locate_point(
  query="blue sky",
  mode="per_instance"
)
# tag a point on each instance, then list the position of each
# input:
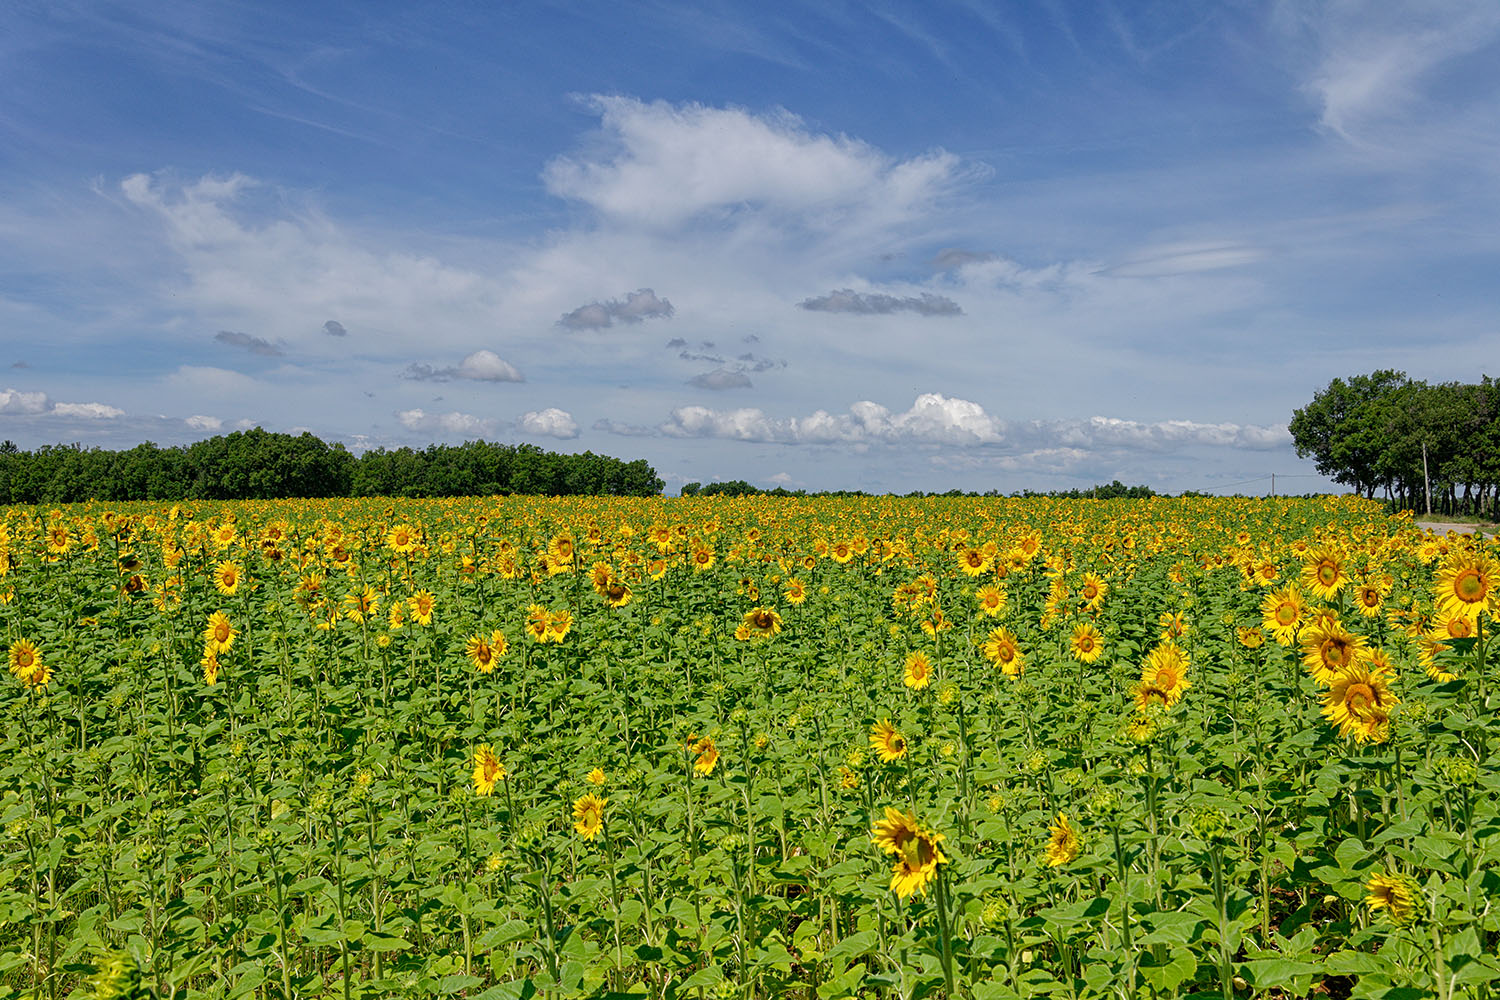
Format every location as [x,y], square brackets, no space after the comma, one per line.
[879,246]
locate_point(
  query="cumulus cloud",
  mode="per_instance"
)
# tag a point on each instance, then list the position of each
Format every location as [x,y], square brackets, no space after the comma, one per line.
[639,305]
[447,423]
[255,345]
[481,366]
[663,164]
[846,300]
[721,378]
[15,403]
[199,422]
[936,420]
[335,329]
[550,422]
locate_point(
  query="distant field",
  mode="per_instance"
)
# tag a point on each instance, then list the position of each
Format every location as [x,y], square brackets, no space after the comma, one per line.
[718,748]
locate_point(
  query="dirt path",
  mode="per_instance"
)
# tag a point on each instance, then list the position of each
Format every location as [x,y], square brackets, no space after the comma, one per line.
[1443,527]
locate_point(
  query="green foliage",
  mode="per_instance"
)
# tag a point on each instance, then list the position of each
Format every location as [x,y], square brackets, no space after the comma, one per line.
[1370,432]
[261,465]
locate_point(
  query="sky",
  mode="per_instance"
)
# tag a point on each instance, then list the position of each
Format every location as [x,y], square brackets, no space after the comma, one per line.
[879,246]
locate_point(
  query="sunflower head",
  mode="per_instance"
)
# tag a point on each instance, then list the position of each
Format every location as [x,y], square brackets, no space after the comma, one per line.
[1397,895]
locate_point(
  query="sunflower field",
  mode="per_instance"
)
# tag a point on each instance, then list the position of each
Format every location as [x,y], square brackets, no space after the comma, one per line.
[712,749]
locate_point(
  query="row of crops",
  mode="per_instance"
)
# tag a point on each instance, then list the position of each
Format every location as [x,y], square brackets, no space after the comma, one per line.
[746,748]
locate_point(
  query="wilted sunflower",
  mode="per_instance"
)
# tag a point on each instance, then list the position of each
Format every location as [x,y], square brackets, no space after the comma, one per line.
[1001,649]
[1359,701]
[219,634]
[918,670]
[1395,894]
[588,815]
[887,741]
[1087,643]
[1062,842]
[488,771]
[1466,585]
[1328,649]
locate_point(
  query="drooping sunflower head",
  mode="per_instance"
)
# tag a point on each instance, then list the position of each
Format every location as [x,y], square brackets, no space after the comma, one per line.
[1062,842]
[488,771]
[588,815]
[887,741]
[1397,895]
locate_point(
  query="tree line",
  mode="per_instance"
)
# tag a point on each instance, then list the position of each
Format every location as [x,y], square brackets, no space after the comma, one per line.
[1418,443]
[739,488]
[261,465]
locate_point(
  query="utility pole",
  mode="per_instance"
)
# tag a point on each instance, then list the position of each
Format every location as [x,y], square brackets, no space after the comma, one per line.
[1273,484]
[1426,483]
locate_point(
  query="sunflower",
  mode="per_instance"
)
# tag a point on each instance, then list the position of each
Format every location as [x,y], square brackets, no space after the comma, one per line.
[972,562]
[422,606]
[1359,700]
[596,777]
[1328,649]
[916,849]
[1281,614]
[616,593]
[991,600]
[219,633]
[759,623]
[1466,585]
[708,756]
[485,651]
[1323,572]
[795,591]
[887,741]
[559,623]
[1250,638]
[402,538]
[1000,648]
[536,622]
[1062,842]
[1172,624]
[210,665]
[1163,677]
[488,770]
[1395,894]
[1087,643]
[841,552]
[703,559]
[1369,599]
[561,549]
[26,664]
[227,577]
[1092,591]
[918,671]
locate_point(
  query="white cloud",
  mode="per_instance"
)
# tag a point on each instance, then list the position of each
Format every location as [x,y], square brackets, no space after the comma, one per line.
[639,305]
[198,422]
[447,423]
[550,422]
[88,411]
[15,403]
[668,163]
